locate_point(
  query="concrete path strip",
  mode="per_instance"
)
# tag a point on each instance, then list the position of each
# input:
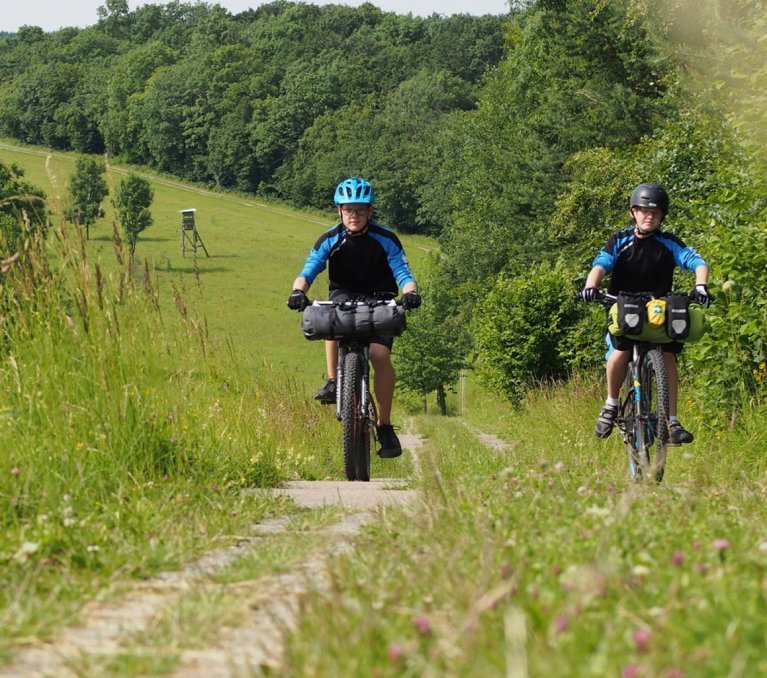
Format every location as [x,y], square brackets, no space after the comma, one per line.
[258,643]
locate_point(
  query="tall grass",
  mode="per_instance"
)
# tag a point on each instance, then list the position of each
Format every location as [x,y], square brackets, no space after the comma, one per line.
[129,433]
[543,558]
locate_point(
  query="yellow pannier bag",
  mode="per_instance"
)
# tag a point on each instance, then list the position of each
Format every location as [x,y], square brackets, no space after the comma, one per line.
[656,312]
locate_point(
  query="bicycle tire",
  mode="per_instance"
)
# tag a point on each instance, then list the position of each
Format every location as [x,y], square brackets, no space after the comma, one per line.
[627,424]
[356,427]
[651,431]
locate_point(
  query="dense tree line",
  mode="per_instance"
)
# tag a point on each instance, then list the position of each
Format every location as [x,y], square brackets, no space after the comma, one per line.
[592,99]
[516,141]
[282,100]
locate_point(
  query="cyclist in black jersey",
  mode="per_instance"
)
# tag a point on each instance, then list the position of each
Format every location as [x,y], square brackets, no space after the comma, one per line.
[642,258]
[363,259]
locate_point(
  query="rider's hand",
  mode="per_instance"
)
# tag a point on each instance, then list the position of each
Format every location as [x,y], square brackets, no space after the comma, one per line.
[411,300]
[589,294]
[700,295]
[298,300]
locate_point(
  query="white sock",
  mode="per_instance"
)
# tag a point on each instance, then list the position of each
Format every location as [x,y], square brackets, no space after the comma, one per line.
[674,418]
[613,402]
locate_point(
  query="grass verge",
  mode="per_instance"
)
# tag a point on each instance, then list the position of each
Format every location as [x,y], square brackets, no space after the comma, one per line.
[542,558]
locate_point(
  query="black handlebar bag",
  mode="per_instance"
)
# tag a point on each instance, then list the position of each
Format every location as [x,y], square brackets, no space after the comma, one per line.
[355,321]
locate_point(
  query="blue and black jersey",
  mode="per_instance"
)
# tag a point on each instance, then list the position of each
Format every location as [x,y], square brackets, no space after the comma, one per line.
[645,264]
[373,261]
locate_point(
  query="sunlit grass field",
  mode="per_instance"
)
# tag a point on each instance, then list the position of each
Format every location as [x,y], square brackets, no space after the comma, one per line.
[256,251]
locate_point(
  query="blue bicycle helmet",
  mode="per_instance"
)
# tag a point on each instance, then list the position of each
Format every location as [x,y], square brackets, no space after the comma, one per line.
[355,190]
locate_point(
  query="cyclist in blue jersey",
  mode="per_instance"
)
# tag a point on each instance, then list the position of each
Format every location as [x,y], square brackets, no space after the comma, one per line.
[642,258]
[364,259]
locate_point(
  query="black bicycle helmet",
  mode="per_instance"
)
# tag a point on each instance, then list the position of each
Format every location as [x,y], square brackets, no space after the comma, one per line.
[650,195]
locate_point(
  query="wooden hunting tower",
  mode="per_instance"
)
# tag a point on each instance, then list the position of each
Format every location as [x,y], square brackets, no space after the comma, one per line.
[190,238]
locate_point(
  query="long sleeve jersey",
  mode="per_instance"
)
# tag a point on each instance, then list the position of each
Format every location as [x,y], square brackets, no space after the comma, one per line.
[645,264]
[373,261]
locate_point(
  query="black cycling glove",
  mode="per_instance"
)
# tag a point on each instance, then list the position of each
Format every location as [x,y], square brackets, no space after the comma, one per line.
[411,300]
[590,294]
[298,300]
[700,295]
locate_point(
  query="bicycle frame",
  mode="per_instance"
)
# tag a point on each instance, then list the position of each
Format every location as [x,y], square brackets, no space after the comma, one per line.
[639,430]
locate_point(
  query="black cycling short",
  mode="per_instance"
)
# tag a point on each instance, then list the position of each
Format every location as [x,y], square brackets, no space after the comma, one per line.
[623,343]
[345,295]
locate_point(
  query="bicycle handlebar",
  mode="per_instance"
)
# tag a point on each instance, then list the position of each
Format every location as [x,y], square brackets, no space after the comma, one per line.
[351,303]
[607,300]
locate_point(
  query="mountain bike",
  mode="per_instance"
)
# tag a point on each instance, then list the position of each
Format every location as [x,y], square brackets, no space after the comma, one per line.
[643,416]
[353,323]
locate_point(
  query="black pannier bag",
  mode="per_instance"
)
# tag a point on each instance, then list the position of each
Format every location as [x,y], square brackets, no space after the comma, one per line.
[352,321]
[631,312]
[677,316]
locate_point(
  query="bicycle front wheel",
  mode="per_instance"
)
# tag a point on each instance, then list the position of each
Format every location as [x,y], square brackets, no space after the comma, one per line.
[356,426]
[653,438]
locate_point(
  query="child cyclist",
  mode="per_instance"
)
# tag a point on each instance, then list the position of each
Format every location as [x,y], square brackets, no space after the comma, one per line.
[642,258]
[364,259]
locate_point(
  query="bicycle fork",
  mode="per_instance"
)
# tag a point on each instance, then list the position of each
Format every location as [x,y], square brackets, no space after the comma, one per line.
[636,429]
[364,404]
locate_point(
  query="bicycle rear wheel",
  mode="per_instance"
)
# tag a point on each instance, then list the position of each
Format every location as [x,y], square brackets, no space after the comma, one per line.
[653,438]
[356,426]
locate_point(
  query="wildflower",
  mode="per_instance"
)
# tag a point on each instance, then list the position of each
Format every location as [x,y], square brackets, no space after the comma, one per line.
[677,558]
[422,624]
[640,570]
[720,545]
[561,624]
[25,551]
[641,639]
[233,513]
[631,671]
[396,652]
[15,471]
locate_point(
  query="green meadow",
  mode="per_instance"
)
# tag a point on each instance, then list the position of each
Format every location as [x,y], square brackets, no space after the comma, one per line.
[141,405]
[256,250]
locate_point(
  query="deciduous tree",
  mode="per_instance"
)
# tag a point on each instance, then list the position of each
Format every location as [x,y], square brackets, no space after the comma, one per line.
[134,196]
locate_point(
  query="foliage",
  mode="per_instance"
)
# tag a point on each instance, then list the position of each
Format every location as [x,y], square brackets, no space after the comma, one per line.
[22,209]
[132,200]
[434,349]
[88,188]
[388,139]
[518,329]
[228,100]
